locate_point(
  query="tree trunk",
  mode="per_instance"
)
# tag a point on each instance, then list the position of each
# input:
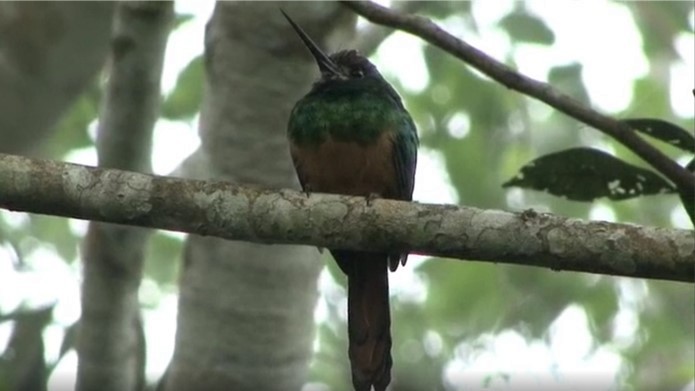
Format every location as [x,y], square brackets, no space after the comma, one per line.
[111,341]
[49,53]
[245,317]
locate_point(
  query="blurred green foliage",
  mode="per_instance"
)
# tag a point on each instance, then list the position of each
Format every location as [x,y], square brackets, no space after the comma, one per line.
[184,101]
[468,302]
[465,302]
[526,27]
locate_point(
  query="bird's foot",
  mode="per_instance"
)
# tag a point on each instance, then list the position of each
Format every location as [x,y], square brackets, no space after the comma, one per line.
[371,197]
[307,191]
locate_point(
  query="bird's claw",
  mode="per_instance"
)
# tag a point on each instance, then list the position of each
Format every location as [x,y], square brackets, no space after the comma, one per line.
[371,197]
[307,191]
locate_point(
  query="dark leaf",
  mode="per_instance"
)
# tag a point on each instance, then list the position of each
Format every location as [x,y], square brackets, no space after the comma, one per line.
[664,131]
[584,174]
[184,101]
[524,27]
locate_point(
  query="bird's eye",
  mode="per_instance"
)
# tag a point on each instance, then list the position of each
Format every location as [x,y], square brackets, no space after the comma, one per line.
[356,72]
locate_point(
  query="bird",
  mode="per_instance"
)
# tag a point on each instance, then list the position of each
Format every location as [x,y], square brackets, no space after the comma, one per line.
[351,134]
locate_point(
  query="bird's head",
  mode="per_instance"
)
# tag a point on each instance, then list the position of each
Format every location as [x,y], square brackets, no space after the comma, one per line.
[340,66]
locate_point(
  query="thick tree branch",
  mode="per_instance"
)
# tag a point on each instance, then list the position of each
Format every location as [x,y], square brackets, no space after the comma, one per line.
[430,32]
[256,215]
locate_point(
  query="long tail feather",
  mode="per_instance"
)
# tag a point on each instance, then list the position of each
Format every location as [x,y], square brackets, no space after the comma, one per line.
[369,318]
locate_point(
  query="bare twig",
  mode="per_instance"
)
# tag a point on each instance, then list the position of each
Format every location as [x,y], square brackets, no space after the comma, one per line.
[373,35]
[333,221]
[430,32]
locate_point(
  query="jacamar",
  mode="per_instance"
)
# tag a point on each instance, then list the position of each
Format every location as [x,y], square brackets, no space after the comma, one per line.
[352,135]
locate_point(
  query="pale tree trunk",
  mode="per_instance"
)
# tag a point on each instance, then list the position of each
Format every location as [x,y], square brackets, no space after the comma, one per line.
[245,318]
[49,53]
[111,342]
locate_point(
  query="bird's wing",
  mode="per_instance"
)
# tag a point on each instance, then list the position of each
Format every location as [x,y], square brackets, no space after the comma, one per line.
[405,158]
[404,161]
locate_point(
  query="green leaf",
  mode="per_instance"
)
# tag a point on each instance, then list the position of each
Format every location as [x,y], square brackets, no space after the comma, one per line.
[478,290]
[599,297]
[163,251]
[525,27]
[664,131]
[568,79]
[57,232]
[444,9]
[665,336]
[180,19]
[584,174]
[672,17]
[72,128]
[529,303]
[185,100]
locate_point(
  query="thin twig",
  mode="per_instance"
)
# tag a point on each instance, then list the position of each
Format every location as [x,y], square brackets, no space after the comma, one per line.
[430,32]
[373,35]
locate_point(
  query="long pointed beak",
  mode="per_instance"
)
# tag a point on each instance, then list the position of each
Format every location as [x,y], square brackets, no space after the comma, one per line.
[326,65]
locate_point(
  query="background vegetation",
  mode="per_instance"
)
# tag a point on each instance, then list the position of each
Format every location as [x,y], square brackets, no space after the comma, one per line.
[446,317]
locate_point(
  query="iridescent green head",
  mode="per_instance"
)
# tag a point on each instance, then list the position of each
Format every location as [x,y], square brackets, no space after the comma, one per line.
[341,66]
[351,101]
